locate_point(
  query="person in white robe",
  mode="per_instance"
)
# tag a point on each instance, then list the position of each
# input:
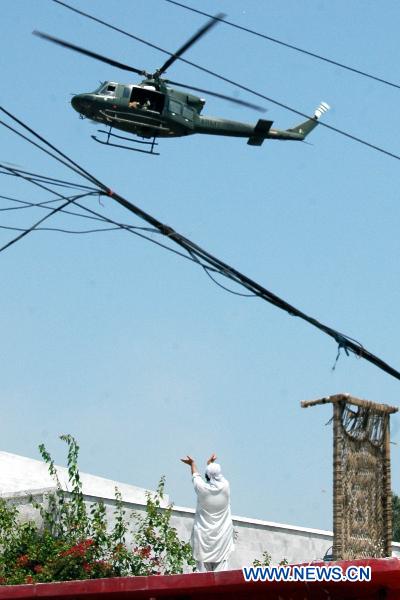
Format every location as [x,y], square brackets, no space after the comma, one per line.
[212,534]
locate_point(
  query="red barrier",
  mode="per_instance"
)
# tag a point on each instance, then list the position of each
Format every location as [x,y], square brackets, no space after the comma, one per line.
[385,585]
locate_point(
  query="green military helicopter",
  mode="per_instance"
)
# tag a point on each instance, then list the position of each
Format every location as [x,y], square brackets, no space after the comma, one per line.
[152,109]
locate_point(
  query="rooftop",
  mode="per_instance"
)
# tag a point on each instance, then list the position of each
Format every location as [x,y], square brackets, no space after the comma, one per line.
[22,474]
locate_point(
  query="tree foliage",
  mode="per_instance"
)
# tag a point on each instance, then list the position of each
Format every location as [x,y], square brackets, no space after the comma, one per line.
[75,541]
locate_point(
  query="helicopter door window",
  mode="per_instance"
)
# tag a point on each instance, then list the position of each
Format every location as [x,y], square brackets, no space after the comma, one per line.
[175,107]
[144,99]
[187,114]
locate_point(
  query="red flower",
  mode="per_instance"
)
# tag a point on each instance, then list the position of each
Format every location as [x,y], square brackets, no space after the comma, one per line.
[79,549]
[103,565]
[38,568]
[2,580]
[29,579]
[22,560]
[86,567]
[145,552]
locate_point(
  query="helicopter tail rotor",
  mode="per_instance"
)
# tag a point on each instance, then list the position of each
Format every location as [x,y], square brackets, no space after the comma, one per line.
[321,109]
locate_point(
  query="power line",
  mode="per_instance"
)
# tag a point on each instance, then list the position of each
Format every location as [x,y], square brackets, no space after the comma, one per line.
[59,230]
[350,136]
[211,262]
[25,203]
[38,184]
[45,179]
[59,156]
[343,341]
[30,229]
[44,205]
[34,180]
[133,230]
[207,272]
[287,45]
[94,215]
[26,138]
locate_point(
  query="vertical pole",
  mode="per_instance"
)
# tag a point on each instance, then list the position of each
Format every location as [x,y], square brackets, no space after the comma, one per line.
[387,491]
[337,483]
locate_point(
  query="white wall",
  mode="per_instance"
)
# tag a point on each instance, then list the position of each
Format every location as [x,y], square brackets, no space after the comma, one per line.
[296,544]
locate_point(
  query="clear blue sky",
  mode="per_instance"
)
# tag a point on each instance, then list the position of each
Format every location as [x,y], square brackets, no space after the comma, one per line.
[135,351]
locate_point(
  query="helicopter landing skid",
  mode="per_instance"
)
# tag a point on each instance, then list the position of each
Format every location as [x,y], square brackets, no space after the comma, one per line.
[109,135]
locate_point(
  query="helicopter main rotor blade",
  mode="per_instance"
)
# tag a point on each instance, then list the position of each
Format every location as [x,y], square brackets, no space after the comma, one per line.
[217,95]
[109,61]
[211,23]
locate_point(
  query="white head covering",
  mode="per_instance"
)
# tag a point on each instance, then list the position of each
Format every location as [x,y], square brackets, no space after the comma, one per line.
[214,472]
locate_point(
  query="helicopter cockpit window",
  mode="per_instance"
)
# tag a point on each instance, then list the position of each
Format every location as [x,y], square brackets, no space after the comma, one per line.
[106,89]
[98,89]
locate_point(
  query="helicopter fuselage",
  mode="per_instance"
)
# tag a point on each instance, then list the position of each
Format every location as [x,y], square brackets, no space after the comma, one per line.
[151,110]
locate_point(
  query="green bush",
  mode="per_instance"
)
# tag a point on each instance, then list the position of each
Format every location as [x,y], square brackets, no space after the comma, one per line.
[265,560]
[396,518]
[75,542]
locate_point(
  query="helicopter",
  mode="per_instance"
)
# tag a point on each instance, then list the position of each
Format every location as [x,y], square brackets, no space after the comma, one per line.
[152,109]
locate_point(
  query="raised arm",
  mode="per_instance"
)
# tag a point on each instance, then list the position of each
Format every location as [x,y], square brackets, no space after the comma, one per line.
[191,462]
[212,458]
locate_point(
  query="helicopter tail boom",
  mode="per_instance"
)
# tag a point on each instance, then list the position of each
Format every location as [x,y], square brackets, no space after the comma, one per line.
[263,130]
[305,128]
